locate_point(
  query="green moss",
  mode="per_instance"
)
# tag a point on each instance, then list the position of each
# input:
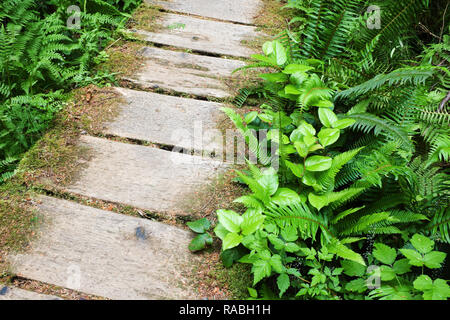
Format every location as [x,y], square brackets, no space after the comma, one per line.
[146,18]
[18,221]
[123,58]
[238,278]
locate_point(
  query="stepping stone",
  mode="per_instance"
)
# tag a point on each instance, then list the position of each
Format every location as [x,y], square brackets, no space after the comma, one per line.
[11,293]
[185,73]
[202,35]
[141,176]
[108,254]
[187,123]
[231,10]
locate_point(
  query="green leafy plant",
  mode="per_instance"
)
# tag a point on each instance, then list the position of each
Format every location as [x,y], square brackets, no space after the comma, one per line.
[401,278]
[330,185]
[203,238]
[41,59]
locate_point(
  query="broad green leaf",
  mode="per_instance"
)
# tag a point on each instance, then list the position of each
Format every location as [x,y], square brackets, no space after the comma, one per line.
[199,226]
[402,266]
[290,89]
[289,233]
[353,269]
[261,269]
[267,48]
[432,290]
[252,221]
[302,148]
[315,148]
[384,253]
[296,136]
[253,293]
[274,77]
[230,220]
[248,258]
[423,283]
[293,68]
[439,291]
[277,242]
[310,180]
[271,228]
[200,242]
[324,104]
[285,196]
[309,140]
[306,129]
[422,243]
[318,163]
[230,256]
[280,53]
[269,60]
[434,259]
[414,257]
[298,78]
[249,117]
[231,240]
[327,117]
[264,117]
[297,169]
[221,231]
[318,278]
[387,273]
[328,136]
[269,183]
[357,285]
[283,283]
[343,123]
[275,262]
[291,247]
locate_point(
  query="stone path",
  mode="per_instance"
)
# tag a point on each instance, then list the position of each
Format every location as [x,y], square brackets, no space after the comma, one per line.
[116,256]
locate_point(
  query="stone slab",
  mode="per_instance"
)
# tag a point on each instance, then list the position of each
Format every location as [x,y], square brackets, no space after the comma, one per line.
[12,293]
[141,176]
[108,254]
[174,121]
[208,36]
[242,11]
[185,73]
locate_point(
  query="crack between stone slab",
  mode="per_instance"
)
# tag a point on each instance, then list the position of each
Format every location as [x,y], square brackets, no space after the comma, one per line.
[132,84]
[194,51]
[157,145]
[31,285]
[175,219]
[182,49]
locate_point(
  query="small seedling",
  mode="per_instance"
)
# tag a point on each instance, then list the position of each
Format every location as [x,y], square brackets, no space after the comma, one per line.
[203,238]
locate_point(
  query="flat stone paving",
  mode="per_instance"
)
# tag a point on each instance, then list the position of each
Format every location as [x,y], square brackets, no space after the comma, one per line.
[185,73]
[108,254]
[243,11]
[214,37]
[187,123]
[122,257]
[142,177]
